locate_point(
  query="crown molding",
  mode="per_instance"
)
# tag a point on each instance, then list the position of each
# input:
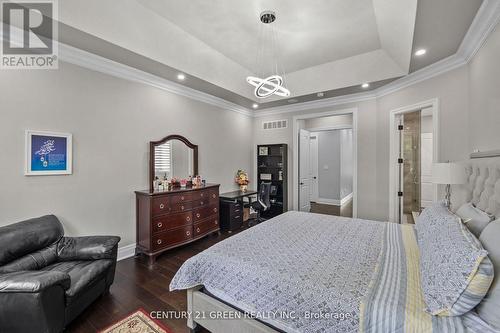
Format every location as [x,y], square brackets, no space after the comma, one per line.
[484,23]
[100,64]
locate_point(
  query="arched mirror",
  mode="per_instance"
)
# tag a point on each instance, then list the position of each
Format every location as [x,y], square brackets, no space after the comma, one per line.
[172,157]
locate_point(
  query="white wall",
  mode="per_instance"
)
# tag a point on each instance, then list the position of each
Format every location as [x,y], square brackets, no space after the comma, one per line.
[346,162]
[329,164]
[484,82]
[112,121]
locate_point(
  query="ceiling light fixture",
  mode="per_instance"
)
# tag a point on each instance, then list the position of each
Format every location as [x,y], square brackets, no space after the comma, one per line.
[270,83]
[320,94]
[181,77]
[420,52]
[255,105]
[365,85]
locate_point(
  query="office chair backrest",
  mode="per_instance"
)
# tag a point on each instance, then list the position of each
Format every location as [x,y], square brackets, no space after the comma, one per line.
[264,199]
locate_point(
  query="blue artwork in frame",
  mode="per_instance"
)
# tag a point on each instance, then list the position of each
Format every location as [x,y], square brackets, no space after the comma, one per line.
[48,153]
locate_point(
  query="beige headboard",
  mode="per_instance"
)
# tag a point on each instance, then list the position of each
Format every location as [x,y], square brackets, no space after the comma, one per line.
[483,186]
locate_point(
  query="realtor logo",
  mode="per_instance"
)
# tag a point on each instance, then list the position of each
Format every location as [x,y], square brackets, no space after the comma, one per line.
[28,33]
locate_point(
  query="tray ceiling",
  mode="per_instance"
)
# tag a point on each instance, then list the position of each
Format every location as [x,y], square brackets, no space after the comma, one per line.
[327,46]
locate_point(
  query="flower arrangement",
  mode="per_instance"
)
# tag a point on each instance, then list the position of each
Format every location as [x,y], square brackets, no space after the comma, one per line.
[242,179]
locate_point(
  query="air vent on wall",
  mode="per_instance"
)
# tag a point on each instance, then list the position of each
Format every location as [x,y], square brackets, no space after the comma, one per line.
[275,124]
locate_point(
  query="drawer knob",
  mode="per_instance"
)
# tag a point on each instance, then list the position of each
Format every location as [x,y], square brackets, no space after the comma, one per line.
[213,195]
[158,241]
[160,225]
[197,229]
[188,233]
[182,198]
[202,194]
[188,218]
[198,215]
[182,207]
[202,202]
[215,210]
[162,206]
[216,222]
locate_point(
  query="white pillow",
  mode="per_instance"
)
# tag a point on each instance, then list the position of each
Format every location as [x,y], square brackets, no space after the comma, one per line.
[474,218]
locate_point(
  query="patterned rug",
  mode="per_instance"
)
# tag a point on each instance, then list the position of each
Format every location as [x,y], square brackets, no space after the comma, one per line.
[137,322]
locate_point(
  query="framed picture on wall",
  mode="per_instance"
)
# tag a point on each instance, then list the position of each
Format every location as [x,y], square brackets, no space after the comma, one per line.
[48,153]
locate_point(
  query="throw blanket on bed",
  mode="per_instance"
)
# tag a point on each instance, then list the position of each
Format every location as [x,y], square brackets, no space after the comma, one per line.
[303,272]
[395,301]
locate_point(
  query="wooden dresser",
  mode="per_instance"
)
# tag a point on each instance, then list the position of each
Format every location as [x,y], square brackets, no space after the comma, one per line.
[168,219]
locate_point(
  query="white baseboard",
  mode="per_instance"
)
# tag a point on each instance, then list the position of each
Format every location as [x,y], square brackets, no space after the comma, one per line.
[346,199]
[126,251]
[335,202]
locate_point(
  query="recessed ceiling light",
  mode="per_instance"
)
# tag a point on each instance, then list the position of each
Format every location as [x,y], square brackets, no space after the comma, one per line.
[321,94]
[420,52]
[255,105]
[181,76]
[365,85]
[293,100]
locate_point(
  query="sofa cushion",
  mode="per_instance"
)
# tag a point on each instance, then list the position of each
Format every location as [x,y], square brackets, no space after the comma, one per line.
[82,273]
[22,238]
[33,261]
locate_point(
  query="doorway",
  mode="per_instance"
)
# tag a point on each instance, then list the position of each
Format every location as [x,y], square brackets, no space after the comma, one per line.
[414,149]
[325,154]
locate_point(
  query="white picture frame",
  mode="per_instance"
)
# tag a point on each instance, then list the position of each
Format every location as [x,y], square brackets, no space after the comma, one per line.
[48,153]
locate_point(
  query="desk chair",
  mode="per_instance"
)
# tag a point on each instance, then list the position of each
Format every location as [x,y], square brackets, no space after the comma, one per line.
[263,202]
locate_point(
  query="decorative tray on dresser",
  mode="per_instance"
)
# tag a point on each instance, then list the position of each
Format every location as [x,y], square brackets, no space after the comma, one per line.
[167,219]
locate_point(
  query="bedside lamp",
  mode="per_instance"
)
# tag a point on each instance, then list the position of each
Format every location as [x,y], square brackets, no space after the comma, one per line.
[448,174]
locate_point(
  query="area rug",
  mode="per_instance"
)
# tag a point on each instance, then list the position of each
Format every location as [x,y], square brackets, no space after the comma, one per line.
[137,322]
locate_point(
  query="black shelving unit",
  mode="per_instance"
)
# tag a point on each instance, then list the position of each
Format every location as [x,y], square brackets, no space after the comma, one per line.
[273,168]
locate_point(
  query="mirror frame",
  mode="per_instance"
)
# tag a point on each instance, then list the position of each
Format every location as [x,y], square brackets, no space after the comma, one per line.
[153,144]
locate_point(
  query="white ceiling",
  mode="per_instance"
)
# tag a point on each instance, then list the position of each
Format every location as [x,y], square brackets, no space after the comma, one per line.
[309,33]
[325,45]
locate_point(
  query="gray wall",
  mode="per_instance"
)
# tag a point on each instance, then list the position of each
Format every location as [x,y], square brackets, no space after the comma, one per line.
[112,121]
[329,164]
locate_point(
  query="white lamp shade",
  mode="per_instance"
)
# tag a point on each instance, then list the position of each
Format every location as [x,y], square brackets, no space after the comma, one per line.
[448,173]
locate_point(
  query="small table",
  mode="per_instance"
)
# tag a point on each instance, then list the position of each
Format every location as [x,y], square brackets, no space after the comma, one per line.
[232,207]
[237,195]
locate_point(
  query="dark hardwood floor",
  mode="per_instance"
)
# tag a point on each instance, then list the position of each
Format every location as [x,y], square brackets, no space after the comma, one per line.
[139,286]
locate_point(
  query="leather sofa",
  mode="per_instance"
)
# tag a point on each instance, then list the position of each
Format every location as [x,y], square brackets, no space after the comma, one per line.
[46,279]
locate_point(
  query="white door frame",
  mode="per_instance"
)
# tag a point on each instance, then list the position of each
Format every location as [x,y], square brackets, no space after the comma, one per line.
[393,142]
[295,178]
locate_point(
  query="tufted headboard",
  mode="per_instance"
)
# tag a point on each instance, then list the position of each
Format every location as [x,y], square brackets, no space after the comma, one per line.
[483,186]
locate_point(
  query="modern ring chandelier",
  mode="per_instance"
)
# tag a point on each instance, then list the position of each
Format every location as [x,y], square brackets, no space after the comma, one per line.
[271,84]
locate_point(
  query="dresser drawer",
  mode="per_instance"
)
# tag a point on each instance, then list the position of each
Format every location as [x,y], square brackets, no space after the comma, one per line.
[183,197]
[202,194]
[180,207]
[172,237]
[206,226]
[204,212]
[161,205]
[214,195]
[172,221]
[201,203]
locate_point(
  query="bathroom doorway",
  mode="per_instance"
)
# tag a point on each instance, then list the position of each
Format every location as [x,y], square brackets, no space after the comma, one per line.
[415,141]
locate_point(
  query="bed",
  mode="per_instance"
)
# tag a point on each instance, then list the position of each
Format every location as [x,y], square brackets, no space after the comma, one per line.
[304,272]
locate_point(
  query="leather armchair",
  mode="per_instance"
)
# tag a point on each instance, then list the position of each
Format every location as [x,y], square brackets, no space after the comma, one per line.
[46,279]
